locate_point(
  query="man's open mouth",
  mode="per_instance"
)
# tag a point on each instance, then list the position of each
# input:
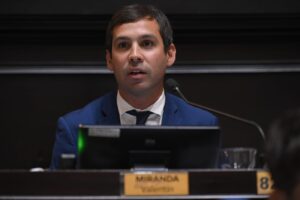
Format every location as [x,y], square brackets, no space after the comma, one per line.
[136,72]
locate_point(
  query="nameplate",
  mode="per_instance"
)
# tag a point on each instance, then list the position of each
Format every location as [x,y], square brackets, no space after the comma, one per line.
[156,183]
[264,182]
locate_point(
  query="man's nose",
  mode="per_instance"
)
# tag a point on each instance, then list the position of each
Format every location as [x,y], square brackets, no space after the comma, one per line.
[135,56]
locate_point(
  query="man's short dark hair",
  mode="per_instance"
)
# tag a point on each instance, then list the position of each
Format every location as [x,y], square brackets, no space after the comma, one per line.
[283,151]
[136,12]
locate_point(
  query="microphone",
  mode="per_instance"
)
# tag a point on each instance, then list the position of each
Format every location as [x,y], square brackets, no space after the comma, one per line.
[172,84]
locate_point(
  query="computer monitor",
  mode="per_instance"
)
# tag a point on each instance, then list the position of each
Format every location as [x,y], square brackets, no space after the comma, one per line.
[127,147]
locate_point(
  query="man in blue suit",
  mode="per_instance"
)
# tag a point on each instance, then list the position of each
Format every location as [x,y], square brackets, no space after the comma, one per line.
[139,49]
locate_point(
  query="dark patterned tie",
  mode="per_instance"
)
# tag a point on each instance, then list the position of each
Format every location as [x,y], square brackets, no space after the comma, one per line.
[141,117]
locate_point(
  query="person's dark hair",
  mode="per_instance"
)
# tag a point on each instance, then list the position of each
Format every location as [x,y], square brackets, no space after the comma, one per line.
[283,151]
[136,12]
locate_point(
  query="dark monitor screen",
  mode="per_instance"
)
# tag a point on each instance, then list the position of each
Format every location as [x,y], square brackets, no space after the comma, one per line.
[126,147]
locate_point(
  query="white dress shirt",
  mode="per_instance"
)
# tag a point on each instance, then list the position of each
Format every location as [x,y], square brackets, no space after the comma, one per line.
[155,118]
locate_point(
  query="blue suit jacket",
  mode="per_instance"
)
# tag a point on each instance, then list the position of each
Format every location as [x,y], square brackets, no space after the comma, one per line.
[104,111]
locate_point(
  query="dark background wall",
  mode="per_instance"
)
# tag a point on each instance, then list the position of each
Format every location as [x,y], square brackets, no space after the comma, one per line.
[237,56]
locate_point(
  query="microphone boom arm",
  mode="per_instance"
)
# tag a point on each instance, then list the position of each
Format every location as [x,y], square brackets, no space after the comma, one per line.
[256,125]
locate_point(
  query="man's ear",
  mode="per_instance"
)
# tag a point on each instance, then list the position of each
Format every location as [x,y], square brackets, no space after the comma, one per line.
[171,55]
[108,57]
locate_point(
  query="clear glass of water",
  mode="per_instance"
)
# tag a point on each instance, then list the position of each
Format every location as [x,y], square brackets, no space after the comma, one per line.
[238,158]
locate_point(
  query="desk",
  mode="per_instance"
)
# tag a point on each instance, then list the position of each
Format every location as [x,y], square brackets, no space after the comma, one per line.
[100,184]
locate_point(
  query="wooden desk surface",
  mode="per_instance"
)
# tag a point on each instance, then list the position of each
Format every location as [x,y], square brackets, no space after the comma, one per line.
[100,184]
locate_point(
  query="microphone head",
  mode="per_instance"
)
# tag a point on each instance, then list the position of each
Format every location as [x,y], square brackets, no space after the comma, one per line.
[172,84]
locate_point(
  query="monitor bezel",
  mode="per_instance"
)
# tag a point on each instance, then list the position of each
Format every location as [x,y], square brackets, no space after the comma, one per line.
[126,139]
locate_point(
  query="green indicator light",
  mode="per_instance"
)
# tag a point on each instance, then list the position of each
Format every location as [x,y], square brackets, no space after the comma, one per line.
[81,143]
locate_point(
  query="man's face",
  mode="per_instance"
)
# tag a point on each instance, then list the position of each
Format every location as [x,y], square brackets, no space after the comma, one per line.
[138,59]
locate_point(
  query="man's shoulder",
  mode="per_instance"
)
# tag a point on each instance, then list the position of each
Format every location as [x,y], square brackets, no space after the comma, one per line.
[190,112]
[91,110]
[183,105]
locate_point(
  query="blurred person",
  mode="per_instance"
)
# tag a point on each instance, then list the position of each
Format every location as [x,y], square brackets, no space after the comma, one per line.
[283,156]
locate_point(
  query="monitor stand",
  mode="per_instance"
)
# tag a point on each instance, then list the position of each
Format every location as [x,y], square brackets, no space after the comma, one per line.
[149,160]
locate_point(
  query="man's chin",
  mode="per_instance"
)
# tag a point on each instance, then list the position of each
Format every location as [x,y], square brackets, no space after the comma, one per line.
[141,89]
[139,92]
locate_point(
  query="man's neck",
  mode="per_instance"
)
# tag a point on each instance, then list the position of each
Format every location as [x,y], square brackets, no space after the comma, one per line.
[141,101]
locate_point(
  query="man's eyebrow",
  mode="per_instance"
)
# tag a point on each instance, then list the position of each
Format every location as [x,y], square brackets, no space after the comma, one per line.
[148,36]
[125,38]
[121,38]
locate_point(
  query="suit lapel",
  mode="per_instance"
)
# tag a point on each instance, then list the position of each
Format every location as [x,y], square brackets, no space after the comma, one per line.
[109,110]
[170,116]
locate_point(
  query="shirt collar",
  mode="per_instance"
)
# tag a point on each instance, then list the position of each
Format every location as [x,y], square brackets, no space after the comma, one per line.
[157,107]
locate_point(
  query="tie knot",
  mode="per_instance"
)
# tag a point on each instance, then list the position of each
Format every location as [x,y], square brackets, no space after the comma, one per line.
[141,117]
